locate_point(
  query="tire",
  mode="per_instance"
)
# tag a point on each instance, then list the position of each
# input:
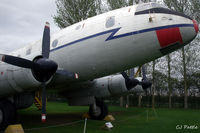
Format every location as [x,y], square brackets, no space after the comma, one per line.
[102,111]
[8,112]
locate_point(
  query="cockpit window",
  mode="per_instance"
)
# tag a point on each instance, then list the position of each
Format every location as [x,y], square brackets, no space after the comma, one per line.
[156,8]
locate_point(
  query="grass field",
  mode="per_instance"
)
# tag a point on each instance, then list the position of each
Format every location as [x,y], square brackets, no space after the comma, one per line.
[62,118]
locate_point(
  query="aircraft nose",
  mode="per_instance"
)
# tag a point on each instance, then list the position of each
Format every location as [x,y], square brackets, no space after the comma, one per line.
[189,32]
[173,38]
[196,26]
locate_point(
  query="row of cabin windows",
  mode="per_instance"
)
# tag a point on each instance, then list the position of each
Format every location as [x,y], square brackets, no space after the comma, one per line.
[28,51]
[110,21]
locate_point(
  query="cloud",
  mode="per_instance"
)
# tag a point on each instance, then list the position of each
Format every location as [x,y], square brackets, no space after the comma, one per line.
[22,21]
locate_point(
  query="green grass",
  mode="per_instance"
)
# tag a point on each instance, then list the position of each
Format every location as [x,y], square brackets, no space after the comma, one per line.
[129,120]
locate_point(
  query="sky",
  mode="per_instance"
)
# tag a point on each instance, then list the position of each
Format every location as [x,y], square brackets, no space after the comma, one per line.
[22,22]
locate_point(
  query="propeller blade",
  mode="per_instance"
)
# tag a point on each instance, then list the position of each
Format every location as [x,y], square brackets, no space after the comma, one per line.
[46,41]
[43,102]
[17,61]
[132,83]
[125,76]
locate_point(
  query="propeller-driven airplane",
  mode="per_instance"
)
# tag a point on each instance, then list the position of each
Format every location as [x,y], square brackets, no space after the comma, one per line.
[76,60]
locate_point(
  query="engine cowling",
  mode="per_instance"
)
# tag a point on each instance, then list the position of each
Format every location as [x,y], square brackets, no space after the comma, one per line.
[16,81]
[23,100]
[110,85]
[102,87]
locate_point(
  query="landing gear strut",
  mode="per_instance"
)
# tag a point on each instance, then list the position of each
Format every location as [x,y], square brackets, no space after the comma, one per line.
[7,114]
[98,110]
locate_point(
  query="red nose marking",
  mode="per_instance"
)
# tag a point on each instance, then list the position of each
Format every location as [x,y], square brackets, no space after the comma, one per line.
[196,26]
[169,36]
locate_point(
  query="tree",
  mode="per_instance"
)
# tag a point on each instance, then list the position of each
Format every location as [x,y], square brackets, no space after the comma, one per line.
[154,86]
[169,80]
[185,80]
[115,4]
[195,5]
[73,11]
[190,8]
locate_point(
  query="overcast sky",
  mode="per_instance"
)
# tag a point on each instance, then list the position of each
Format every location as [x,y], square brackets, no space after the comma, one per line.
[22,22]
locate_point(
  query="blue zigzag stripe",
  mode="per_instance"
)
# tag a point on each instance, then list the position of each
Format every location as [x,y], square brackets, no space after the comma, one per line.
[114,31]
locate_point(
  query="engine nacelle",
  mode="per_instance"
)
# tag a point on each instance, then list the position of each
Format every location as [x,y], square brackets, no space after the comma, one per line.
[16,80]
[102,87]
[110,85]
[23,100]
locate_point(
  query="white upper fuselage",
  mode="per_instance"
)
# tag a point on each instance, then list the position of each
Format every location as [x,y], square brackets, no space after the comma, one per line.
[101,45]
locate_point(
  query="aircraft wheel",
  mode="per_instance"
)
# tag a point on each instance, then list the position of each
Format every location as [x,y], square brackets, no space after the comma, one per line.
[100,112]
[7,114]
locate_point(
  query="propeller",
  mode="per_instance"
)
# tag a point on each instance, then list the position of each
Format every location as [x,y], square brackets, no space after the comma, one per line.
[131,82]
[42,68]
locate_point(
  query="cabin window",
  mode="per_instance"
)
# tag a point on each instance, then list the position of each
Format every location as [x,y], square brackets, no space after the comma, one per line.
[110,21]
[28,51]
[78,27]
[55,43]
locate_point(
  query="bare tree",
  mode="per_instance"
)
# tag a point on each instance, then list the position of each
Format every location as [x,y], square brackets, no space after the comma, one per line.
[115,4]
[153,86]
[73,11]
[169,80]
[188,7]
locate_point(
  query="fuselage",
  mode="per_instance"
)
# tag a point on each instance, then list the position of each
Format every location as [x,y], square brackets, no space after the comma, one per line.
[106,44]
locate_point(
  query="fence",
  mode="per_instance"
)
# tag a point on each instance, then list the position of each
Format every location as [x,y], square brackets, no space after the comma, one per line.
[146,101]
[160,101]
